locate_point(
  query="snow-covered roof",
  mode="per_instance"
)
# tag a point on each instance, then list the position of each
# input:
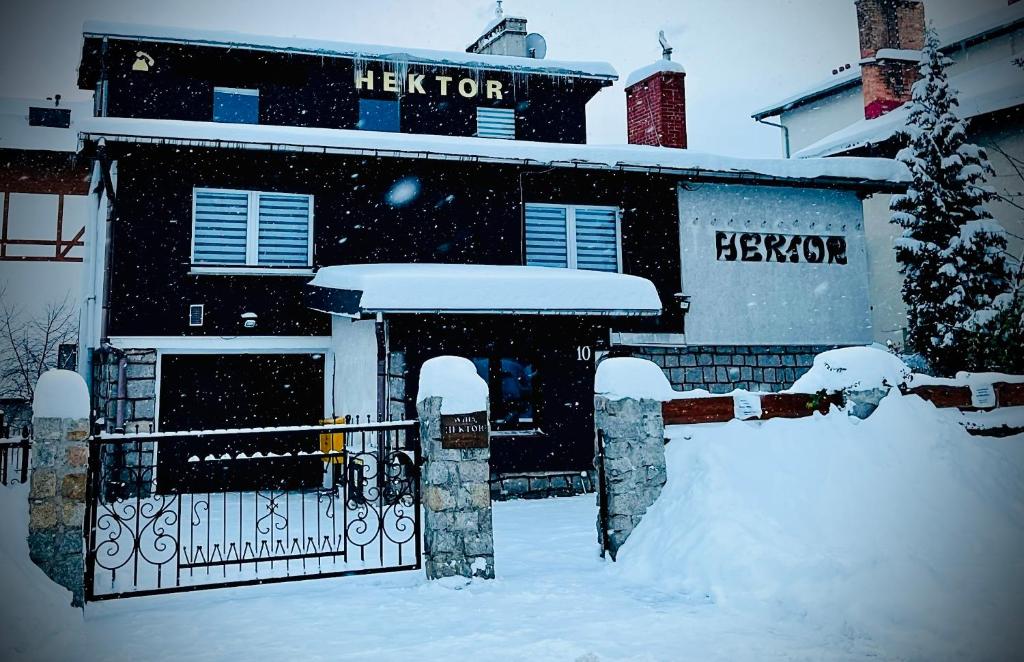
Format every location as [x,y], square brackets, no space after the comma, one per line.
[950,37]
[229,39]
[16,133]
[655,67]
[853,171]
[822,88]
[983,90]
[479,289]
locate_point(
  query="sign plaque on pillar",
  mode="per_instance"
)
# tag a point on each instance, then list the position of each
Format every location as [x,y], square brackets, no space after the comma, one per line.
[464,430]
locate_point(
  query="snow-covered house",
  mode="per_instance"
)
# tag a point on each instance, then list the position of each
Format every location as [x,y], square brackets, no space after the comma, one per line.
[860,109]
[283,231]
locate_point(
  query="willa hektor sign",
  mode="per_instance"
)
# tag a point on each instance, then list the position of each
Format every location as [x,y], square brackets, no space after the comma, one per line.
[773,265]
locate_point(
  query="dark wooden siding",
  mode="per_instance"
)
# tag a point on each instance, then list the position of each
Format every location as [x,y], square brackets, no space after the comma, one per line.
[313,91]
[464,213]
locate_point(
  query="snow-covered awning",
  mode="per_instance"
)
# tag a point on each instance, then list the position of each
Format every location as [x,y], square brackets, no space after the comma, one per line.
[477,289]
[874,174]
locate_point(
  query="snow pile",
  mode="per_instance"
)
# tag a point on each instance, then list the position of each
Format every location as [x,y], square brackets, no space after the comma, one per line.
[61,394]
[964,378]
[660,66]
[454,380]
[33,610]
[854,368]
[627,377]
[901,530]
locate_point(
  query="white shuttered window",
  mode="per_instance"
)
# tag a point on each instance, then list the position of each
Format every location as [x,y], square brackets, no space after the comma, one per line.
[252,229]
[496,123]
[573,236]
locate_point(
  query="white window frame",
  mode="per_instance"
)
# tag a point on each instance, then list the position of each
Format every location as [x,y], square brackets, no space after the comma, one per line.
[570,230]
[251,266]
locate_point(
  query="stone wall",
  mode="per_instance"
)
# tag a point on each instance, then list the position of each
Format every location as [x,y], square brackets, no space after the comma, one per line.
[140,389]
[397,376]
[60,459]
[458,538]
[722,368]
[631,465]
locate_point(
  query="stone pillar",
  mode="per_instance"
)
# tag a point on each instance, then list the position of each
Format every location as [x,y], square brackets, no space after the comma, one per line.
[630,463]
[454,437]
[59,468]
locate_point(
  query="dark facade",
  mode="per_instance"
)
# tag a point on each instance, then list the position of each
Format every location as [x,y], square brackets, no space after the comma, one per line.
[322,91]
[182,337]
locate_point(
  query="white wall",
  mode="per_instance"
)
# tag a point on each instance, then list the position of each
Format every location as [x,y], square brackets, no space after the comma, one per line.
[355,367]
[888,312]
[767,302]
[810,123]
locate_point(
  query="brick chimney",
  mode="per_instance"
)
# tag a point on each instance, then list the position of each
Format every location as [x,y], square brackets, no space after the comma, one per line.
[656,103]
[891,33]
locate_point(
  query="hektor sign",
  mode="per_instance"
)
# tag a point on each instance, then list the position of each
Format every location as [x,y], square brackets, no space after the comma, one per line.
[388,81]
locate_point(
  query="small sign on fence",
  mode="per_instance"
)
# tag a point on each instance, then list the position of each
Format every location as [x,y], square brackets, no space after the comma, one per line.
[746,405]
[464,430]
[983,396]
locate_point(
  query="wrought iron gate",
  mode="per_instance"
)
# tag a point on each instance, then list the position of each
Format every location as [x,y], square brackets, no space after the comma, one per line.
[326,501]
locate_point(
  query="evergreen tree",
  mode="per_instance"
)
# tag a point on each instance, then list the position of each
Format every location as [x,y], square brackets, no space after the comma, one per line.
[951,252]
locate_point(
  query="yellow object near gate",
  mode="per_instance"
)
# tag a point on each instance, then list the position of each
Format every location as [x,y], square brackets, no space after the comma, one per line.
[333,442]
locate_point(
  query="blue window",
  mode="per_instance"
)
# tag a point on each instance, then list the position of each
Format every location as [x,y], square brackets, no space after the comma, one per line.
[378,115]
[235,105]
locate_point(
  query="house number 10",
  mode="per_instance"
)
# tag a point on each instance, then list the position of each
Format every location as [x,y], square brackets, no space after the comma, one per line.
[583,353]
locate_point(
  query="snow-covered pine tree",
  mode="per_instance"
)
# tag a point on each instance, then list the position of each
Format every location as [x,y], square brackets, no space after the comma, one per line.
[951,252]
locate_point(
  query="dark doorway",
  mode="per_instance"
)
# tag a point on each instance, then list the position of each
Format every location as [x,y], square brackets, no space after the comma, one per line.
[203,392]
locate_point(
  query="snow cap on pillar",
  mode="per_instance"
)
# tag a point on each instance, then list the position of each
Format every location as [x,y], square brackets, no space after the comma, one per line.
[656,102]
[454,380]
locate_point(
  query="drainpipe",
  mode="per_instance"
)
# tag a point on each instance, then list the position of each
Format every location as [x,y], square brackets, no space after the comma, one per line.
[785,133]
[122,391]
[108,185]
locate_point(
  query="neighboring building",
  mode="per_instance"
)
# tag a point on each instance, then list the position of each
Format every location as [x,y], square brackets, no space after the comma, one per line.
[41,181]
[860,110]
[285,230]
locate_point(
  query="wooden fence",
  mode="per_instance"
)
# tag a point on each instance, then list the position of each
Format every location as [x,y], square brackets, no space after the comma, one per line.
[719,409]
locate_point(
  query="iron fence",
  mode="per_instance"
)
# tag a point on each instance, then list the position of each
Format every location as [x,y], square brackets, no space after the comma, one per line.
[182,511]
[14,457]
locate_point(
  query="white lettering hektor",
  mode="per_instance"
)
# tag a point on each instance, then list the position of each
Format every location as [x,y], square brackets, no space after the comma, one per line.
[466,87]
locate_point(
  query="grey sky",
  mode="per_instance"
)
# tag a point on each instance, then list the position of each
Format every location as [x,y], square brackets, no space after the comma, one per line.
[739,54]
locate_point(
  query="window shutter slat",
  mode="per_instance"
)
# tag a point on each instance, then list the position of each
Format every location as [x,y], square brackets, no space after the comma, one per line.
[496,123]
[596,245]
[545,237]
[283,230]
[220,227]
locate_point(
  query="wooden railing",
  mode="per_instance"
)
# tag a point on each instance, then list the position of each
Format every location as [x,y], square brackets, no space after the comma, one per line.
[1007,395]
[719,409]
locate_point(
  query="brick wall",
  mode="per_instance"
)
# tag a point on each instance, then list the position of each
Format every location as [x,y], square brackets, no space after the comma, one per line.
[897,24]
[722,368]
[656,110]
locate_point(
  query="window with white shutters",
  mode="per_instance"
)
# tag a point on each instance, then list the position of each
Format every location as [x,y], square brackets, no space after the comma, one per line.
[251,229]
[546,244]
[577,237]
[496,123]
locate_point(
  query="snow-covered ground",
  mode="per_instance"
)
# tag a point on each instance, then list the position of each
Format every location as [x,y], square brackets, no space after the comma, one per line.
[896,537]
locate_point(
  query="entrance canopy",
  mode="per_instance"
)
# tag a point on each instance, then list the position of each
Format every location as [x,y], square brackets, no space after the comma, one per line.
[361,289]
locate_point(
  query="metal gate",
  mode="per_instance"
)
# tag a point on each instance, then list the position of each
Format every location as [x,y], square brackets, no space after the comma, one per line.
[326,501]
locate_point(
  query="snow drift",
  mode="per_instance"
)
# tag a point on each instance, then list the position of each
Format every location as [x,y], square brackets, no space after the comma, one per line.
[901,529]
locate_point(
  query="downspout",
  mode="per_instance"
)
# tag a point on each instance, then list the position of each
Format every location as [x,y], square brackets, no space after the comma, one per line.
[108,186]
[785,133]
